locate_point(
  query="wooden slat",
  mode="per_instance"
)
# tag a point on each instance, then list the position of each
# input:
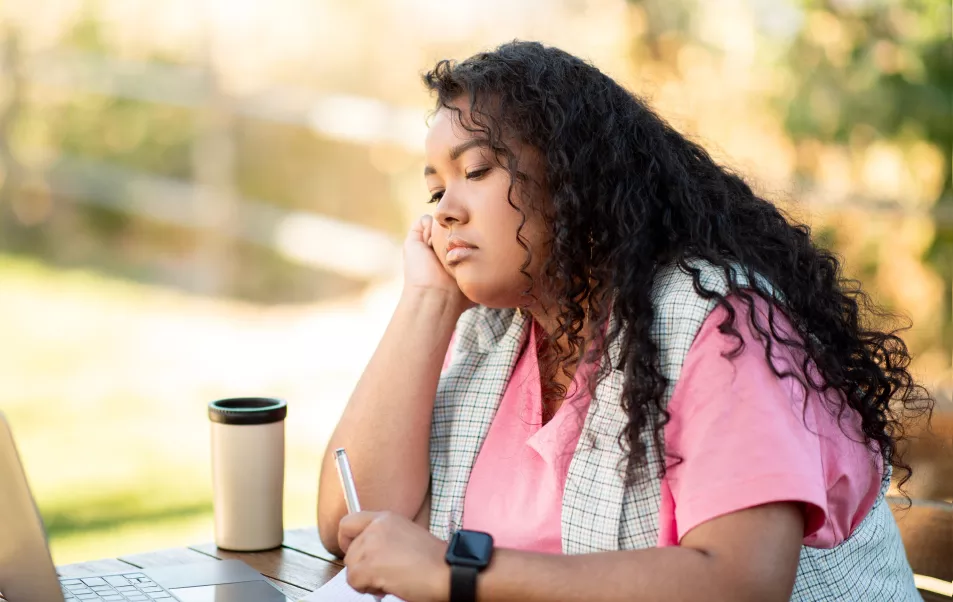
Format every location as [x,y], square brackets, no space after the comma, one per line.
[292,591]
[170,557]
[930,453]
[307,541]
[927,532]
[94,567]
[284,564]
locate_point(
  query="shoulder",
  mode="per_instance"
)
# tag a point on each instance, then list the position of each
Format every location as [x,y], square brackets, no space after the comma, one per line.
[680,308]
[684,282]
[684,295]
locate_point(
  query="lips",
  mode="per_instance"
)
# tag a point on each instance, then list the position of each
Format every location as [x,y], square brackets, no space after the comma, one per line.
[458,250]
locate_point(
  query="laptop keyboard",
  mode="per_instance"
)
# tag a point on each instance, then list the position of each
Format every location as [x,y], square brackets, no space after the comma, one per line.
[134,587]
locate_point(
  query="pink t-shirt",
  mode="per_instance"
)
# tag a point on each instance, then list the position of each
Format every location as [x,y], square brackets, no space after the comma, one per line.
[738,429]
[516,486]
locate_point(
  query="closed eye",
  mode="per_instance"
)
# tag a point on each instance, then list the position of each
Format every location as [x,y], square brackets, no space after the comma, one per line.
[476,174]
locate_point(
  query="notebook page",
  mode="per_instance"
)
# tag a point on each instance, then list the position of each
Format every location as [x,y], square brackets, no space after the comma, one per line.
[337,590]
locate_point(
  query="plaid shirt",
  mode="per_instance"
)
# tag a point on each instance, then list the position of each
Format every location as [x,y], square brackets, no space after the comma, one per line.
[599,512]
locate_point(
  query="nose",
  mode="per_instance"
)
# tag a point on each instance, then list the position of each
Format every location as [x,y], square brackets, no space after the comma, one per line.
[451,210]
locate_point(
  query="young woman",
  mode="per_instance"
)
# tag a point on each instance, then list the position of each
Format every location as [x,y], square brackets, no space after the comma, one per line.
[612,356]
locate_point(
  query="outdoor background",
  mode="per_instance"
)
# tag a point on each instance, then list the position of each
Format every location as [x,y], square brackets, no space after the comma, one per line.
[201,199]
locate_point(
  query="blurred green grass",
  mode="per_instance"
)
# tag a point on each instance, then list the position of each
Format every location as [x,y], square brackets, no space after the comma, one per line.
[101,488]
[65,517]
[106,387]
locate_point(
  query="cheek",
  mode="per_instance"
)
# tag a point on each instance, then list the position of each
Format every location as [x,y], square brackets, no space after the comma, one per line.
[507,253]
[507,249]
[537,238]
[499,221]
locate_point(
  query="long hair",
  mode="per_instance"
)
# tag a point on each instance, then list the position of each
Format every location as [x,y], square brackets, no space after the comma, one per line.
[627,194]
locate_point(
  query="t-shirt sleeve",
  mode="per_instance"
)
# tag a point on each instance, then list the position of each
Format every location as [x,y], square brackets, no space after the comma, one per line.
[740,433]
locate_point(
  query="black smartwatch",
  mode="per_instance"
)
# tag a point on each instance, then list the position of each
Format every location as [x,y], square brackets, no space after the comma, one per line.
[469,553]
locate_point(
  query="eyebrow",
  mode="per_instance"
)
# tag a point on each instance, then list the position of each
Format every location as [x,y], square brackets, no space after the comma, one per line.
[458,150]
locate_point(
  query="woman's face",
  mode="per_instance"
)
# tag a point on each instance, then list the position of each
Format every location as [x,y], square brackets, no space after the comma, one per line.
[474,231]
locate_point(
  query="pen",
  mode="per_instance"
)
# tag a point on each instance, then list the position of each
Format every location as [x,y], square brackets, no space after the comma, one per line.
[347,481]
[347,484]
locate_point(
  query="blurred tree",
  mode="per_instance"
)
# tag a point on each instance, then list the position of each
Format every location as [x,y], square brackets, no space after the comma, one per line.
[83,173]
[855,72]
[12,84]
[888,67]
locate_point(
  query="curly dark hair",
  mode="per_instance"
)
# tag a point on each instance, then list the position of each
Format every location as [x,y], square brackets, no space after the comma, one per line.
[621,182]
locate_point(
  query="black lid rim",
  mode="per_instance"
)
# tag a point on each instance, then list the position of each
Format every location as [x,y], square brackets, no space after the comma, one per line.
[247,410]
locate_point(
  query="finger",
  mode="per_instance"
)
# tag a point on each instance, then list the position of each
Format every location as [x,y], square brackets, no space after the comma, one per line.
[418,231]
[361,582]
[427,222]
[353,525]
[360,574]
[363,585]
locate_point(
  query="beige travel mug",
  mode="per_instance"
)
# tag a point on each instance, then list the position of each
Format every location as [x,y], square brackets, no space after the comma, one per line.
[248,472]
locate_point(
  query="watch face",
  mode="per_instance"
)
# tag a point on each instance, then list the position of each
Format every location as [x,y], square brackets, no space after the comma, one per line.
[470,548]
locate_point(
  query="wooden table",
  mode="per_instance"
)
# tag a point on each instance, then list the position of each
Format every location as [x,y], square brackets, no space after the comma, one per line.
[302,564]
[299,566]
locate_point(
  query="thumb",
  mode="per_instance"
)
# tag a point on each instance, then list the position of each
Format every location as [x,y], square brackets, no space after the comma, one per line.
[427,222]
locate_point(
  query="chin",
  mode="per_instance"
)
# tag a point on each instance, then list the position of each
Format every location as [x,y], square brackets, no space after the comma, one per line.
[489,296]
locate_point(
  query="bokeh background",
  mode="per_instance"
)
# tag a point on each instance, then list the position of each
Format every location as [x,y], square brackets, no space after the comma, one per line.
[205,198]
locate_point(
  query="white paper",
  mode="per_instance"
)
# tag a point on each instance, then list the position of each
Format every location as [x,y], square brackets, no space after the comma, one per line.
[337,590]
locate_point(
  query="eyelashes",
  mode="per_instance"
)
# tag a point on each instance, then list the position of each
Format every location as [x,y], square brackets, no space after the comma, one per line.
[476,174]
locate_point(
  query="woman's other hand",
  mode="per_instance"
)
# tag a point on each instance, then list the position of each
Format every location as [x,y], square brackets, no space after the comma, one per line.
[423,270]
[387,553]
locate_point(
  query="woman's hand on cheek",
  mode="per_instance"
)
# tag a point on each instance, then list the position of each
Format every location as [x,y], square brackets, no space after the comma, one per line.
[423,270]
[389,554]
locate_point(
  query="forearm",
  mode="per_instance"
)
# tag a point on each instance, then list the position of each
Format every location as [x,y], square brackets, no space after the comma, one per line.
[673,574]
[386,424]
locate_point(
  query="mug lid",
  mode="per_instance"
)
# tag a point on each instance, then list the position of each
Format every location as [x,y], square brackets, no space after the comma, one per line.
[247,410]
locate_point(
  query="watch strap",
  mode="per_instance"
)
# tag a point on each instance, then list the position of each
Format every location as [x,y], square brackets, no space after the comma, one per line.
[463,583]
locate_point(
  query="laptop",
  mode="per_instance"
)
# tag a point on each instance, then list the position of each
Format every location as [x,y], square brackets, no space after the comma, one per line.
[27,573]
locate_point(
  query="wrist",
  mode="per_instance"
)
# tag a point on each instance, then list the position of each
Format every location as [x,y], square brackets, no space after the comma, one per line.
[440,584]
[469,553]
[443,303]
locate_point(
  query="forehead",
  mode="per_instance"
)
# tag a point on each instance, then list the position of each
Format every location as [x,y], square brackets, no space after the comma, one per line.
[447,131]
